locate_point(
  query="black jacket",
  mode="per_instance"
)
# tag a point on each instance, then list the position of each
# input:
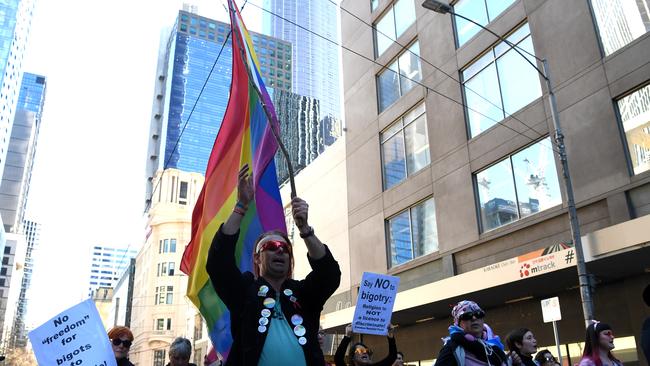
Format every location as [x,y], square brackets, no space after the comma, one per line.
[240,292]
[124,362]
[339,357]
[453,352]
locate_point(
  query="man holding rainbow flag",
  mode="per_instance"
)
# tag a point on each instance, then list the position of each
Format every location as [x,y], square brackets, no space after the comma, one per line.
[274,319]
[238,279]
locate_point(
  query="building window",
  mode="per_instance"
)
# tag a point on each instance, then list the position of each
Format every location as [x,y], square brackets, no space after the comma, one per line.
[405,147]
[413,233]
[393,23]
[620,22]
[164,295]
[159,357]
[634,110]
[480,11]
[518,186]
[400,77]
[172,245]
[500,82]
[169,323]
[170,269]
[373,4]
[160,324]
[7,250]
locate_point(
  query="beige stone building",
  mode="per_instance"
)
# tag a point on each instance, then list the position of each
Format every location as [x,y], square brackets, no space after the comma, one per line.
[160,310]
[453,182]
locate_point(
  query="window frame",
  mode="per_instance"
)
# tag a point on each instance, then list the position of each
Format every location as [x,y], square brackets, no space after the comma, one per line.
[383,140]
[409,209]
[454,21]
[508,157]
[495,56]
[621,129]
[388,67]
[389,8]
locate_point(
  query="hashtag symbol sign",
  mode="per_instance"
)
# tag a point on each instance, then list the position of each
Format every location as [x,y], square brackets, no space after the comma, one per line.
[568,258]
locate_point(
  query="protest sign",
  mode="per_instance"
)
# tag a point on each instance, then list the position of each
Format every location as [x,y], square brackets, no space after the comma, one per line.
[73,337]
[375,303]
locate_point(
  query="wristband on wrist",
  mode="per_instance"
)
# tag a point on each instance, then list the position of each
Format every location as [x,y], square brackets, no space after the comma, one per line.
[239,211]
[241,205]
[308,233]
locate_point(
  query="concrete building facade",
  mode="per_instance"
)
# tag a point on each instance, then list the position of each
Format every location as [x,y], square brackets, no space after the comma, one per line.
[453,181]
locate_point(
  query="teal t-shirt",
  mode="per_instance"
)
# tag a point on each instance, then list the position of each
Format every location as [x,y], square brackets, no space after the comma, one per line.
[281,346]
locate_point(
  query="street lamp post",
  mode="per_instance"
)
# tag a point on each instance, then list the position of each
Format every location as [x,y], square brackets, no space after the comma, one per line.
[583,276]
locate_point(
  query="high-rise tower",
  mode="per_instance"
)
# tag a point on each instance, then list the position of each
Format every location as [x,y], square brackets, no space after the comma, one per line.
[316,59]
[17,174]
[186,90]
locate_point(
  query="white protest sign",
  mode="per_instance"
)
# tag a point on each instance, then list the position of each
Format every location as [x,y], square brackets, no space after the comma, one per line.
[375,303]
[551,310]
[73,337]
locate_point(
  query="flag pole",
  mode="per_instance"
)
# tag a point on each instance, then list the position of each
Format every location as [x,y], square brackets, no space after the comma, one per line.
[275,133]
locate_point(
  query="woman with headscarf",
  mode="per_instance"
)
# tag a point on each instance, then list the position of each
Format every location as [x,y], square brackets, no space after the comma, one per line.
[121,340]
[471,341]
[599,343]
[523,343]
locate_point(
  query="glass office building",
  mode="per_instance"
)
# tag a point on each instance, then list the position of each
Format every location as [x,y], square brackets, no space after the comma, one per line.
[16,177]
[14,31]
[316,57]
[185,121]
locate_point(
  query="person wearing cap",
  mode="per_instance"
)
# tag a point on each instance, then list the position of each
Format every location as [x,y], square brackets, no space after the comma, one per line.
[360,354]
[121,339]
[471,341]
[274,319]
[599,343]
[179,352]
[645,328]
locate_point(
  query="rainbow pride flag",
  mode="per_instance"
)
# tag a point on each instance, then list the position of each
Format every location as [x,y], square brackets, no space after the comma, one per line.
[244,138]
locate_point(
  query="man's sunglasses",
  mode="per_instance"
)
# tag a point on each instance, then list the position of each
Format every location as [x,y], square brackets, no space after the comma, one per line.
[472,314]
[127,343]
[274,246]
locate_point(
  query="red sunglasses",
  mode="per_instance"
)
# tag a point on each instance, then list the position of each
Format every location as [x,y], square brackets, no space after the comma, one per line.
[274,246]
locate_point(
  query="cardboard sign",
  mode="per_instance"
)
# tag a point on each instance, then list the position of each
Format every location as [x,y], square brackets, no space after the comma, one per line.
[375,303]
[73,337]
[551,310]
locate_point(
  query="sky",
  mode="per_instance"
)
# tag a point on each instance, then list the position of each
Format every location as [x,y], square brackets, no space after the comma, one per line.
[88,183]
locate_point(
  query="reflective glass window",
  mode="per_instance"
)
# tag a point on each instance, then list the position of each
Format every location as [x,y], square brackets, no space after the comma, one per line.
[389,86]
[620,21]
[520,185]
[413,233]
[405,147]
[409,68]
[634,110]
[397,19]
[500,83]
[373,4]
[480,11]
[536,179]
